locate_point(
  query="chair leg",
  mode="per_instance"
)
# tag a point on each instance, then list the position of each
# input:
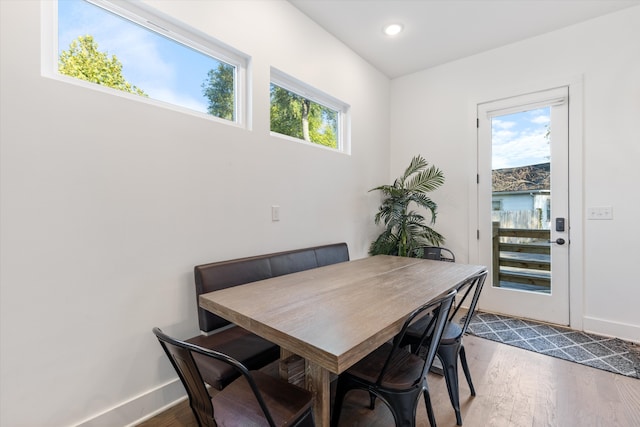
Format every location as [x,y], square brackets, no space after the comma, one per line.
[372,401]
[427,403]
[306,421]
[449,357]
[341,391]
[436,369]
[465,368]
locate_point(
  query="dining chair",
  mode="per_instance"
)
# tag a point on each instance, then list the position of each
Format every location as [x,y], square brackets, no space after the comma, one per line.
[395,374]
[437,253]
[254,399]
[451,347]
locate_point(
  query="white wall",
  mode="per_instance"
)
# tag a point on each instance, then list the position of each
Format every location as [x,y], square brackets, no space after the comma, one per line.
[108,203]
[433,113]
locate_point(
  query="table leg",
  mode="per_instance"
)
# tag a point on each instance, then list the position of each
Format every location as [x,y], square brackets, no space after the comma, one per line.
[317,381]
[284,353]
[291,368]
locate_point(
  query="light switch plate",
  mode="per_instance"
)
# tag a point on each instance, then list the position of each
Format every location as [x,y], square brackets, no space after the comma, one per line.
[600,212]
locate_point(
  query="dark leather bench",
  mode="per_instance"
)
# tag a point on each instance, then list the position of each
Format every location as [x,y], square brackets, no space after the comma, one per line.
[219,334]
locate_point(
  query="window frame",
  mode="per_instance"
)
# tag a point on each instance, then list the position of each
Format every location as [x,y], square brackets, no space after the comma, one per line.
[298,87]
[153,20]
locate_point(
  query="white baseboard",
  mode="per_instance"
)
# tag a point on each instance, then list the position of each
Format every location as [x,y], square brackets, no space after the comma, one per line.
[623,331]
[140,408]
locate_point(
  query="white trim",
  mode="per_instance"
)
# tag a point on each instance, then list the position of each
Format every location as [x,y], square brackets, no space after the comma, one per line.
[290,83]
[576,202]
[608,328]
[528,101]
[473,254]
[310,144]
[139,408]
[48,37]
[301,88]
[528,105]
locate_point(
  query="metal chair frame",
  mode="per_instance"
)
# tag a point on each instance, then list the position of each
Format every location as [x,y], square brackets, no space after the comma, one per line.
[451,347]
[401,400]
[437,253]
[181,353]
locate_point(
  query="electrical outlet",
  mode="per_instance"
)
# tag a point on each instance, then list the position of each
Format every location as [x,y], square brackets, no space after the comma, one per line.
[600,212]
[275,213]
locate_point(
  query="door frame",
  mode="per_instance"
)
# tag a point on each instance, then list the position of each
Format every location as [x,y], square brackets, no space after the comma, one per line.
[576,202]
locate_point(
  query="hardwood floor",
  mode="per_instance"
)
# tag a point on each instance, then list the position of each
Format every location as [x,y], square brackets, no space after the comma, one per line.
[514,387]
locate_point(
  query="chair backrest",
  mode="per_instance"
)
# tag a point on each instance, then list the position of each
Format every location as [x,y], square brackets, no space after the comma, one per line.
[437,253]
[180,354]
[473,286]
[431,335]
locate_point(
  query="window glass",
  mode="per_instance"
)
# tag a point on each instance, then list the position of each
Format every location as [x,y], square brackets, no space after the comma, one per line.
[304,113]
[113,46]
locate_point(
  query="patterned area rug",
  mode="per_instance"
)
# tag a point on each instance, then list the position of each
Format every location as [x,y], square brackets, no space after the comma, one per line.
[609,354]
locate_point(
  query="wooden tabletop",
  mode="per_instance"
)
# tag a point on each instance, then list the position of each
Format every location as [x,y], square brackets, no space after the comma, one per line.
[337,314]
[333,316]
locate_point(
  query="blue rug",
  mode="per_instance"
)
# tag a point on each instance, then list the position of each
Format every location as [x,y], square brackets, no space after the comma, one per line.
[609,354]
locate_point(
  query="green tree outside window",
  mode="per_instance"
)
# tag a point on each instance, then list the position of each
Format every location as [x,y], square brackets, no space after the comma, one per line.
[299,117]
[84,61]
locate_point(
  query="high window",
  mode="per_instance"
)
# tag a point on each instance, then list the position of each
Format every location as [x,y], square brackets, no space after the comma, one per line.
[130,48]
[307,114]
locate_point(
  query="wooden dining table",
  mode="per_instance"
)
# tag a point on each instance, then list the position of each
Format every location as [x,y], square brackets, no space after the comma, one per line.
[334,316]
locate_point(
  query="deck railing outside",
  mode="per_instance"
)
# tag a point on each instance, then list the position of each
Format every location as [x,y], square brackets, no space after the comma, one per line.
[521,258]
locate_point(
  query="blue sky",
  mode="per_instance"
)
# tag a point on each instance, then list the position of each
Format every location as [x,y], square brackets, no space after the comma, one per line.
[164,69]
[519,139]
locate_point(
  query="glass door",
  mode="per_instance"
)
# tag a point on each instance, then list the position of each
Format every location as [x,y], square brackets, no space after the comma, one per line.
[523,205]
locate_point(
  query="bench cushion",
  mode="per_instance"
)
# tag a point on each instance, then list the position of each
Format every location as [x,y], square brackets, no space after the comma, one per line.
[254,352]
[292,262]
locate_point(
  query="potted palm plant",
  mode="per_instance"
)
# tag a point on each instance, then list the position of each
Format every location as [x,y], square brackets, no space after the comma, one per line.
[406,230]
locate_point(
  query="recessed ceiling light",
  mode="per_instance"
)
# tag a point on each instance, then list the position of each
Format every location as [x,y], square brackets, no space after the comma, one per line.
[393,29]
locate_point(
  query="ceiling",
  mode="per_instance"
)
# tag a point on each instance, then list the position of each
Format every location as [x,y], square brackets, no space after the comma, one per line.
[439,31]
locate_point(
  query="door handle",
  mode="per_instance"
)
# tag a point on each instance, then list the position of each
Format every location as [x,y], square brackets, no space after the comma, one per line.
[559,241]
